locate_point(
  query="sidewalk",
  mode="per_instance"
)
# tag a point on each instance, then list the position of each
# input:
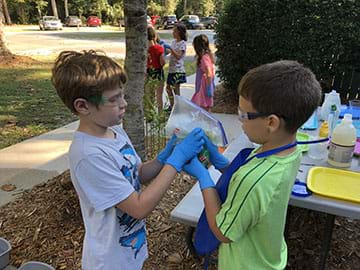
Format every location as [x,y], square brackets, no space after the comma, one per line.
[34,161]
[41,158]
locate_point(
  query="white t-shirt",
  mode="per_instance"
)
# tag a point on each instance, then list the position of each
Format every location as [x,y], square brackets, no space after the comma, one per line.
[177,65]
[105,172]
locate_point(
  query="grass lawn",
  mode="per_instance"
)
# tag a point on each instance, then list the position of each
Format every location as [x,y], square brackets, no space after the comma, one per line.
[29,105]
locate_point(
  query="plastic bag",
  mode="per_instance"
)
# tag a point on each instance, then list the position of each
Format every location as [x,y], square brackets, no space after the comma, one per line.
[185,116]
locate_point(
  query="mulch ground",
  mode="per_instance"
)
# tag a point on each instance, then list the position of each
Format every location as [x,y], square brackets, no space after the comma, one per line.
[225,101]
[16,60]
[45,224]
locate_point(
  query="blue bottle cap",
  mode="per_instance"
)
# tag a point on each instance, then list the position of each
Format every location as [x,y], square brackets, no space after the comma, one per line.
[300,189]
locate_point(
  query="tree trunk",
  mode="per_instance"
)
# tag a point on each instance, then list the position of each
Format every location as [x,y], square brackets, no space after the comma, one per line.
[135,65]
[66,8]
[54,8]
[4,51]
[6,13]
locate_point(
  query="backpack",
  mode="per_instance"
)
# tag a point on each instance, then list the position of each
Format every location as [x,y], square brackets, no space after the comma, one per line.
[205,241]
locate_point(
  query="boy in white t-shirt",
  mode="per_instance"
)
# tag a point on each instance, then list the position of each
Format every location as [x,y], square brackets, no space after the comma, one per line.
[105,169]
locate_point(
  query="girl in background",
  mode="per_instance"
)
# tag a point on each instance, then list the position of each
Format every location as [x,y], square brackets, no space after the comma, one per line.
[205,73]
[155,63]
[177,73]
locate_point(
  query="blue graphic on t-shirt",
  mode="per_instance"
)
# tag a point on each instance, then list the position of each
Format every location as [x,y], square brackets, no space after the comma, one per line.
[134,240]
[128,221]
[129,170]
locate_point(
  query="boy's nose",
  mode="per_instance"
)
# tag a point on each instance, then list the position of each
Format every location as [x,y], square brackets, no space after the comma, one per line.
[123,103]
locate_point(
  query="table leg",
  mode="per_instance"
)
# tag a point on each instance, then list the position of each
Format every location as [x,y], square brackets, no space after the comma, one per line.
[329,225]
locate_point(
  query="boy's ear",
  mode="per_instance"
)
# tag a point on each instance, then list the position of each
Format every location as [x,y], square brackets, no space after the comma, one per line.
[81,106]
[274,123]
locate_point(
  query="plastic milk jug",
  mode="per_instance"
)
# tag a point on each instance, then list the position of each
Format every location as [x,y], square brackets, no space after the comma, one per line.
[332,98]
[342,143]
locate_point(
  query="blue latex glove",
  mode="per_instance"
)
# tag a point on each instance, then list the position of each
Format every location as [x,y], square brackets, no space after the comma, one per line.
[196,169]
[216,158]
[167,48]
[189,147]
[165,153]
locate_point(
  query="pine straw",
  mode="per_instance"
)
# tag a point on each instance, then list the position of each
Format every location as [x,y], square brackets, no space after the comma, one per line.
[225,100]
[12,60]
[45,224]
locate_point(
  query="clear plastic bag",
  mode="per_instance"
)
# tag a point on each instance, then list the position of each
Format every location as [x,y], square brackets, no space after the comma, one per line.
[185,116]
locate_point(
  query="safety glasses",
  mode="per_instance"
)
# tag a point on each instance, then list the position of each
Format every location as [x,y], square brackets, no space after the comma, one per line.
[251,115]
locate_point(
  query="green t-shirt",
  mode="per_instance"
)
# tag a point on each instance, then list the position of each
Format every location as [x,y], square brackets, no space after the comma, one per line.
[254,213]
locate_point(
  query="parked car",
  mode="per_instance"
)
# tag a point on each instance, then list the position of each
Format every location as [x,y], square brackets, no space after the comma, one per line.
[93,21]
[50,23]
[72,21]
[191,22]
[168,21]
[209,22]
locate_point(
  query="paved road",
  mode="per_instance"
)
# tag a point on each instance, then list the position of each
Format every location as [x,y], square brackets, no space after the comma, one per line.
[29,40]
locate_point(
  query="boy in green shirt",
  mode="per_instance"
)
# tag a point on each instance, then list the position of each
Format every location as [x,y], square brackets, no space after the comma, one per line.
[275,100]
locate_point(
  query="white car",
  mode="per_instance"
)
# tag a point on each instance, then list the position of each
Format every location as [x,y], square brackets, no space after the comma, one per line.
[50,22]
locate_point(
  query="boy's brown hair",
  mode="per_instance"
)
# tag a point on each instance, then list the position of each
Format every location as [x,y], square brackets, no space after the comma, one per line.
[284,88]
[87,75]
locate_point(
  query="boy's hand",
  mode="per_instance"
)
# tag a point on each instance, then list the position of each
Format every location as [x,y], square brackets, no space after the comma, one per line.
[189,147]
[196,169]
[218,160]
[165,153]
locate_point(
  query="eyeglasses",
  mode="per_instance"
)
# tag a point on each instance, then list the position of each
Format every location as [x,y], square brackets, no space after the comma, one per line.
[254,115]
[251,115]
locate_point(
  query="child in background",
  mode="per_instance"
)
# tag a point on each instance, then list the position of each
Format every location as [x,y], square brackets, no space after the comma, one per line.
[177,73]
[105,168]
[275,100]
[155,63]
[205,73]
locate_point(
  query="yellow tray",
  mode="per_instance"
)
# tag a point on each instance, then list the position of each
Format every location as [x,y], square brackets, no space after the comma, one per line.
[335,183]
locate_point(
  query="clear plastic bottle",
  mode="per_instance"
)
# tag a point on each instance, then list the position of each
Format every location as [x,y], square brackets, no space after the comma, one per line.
[331,99]
[333,118]
[342,143]
[319,150]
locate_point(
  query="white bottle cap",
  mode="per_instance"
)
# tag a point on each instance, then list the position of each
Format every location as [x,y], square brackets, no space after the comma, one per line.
[348,117]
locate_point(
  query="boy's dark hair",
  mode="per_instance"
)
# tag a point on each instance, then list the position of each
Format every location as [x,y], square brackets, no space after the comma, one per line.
[151,34]
[182,31]
[285,88]
[201,46]
[85,74]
